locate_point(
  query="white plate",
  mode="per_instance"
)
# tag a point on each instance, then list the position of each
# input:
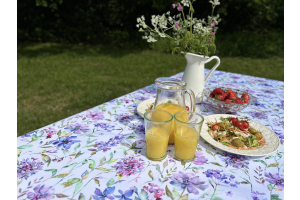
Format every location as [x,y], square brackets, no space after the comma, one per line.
[141,109]
[271,138]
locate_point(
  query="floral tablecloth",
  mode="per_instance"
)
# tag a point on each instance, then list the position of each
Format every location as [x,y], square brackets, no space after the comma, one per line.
[100,154]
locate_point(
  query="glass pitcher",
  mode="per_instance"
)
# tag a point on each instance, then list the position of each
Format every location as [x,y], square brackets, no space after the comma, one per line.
[170,97]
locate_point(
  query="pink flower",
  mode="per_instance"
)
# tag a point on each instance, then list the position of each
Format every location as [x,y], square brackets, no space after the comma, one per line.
[212,24]
[200,159]
[173,5]
[179,8]
[176,25]
[210,39]
[213,33]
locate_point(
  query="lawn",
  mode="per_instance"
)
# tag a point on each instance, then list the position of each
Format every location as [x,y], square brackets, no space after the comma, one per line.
[56,81]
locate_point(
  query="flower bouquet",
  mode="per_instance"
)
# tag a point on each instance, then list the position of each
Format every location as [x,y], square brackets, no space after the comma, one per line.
[191,35]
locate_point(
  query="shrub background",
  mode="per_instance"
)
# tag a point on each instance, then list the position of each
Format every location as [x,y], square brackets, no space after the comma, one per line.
[247,27]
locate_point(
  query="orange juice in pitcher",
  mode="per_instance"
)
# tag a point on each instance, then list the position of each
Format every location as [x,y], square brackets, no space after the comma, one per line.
[170,97]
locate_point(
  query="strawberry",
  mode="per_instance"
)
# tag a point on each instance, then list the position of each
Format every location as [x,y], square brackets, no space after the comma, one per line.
[229,91]
[187,108]
[211,95]
[220,97]
[239,101]
[218,91]
[245,97]
[230,95]
[227,101]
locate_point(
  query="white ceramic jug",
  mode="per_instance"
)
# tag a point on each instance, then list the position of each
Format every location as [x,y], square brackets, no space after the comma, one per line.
[194,73]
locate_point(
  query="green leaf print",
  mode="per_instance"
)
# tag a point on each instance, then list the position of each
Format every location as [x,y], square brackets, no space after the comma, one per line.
[263,162]
[169,193]
[110,182]
[78,185]
[46,159]
[92,164]
[70,165]
[51,170]
[25,146]
[81,197]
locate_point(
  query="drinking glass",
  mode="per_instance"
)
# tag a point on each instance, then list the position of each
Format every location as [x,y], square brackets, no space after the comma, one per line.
[157,131]
[187,132]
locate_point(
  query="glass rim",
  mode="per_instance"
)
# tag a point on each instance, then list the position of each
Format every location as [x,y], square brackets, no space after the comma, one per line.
[191,113]
[158,121]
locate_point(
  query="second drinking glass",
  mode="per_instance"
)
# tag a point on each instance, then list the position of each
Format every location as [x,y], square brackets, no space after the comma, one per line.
[187,132]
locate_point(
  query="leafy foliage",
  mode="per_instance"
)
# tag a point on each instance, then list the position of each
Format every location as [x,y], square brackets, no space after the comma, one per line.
[113,21]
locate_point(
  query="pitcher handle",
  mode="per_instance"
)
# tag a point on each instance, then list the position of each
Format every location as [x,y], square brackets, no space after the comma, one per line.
[192,99]
[214,68]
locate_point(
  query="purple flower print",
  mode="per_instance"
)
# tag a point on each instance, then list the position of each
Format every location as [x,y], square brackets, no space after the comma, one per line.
[141,98]
[249,91]
[233,160]
[281,105]
[176,25]
[213,33]
[173,5]
[221,178]
[106,193]
[259,115]
[212,24]
[156,190]
[52,151]
[229,193]
[256,194]
[235,77]
[124,118]
[95,115]
[105,126]
[41,193]
[78,128]
[28,167]
[125,195]
[276,179]
[263,95]
[65,142]
[129,166]
[51,131]
[105,146]
[140,129]
[268,91]
[188,181]
[149,89]
[200,159]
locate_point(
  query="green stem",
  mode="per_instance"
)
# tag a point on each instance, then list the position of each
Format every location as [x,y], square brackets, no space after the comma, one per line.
[214,192]
[183,15]
[182,193]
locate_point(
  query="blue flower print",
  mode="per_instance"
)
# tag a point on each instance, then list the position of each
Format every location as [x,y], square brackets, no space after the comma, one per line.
[127,193]
[106,193]
[65,142]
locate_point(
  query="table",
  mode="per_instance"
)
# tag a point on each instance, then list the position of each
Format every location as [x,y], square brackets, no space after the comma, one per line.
[100,154]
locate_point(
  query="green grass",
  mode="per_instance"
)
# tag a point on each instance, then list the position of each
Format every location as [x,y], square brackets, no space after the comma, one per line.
[56,81]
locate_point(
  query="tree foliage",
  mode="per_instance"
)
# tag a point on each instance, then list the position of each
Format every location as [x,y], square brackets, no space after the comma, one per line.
[113,21]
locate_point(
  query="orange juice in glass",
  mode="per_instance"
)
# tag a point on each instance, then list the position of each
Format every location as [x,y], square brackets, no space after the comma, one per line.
[187,132]
[157,131]
[171,108]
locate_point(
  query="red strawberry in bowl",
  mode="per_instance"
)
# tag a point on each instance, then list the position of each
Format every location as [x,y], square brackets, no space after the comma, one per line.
[220,97]
[227,101]
[245,97]
[218,91]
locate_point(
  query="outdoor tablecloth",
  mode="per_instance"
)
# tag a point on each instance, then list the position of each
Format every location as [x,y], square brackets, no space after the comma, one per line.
[100,154]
